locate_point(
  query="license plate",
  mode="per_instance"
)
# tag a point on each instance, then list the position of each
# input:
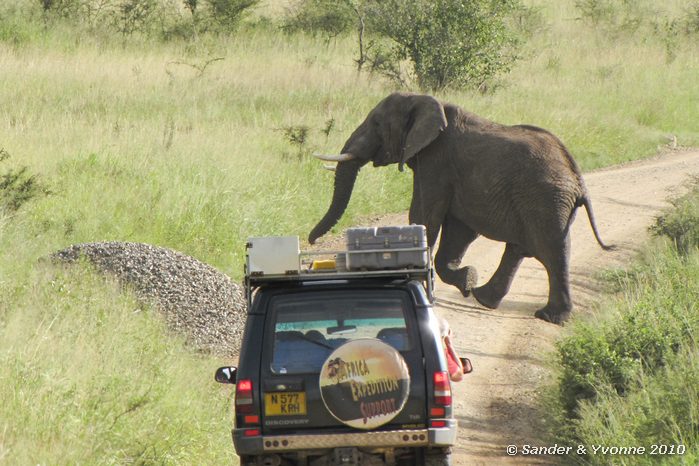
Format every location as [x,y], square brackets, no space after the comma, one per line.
[285,404]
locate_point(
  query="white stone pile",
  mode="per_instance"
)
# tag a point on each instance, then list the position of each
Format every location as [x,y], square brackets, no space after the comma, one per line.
[197,300]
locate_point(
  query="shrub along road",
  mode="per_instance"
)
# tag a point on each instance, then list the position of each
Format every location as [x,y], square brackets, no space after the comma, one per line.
[496,404]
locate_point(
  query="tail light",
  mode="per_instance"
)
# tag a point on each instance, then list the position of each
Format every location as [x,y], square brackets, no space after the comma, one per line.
[442,389]
[246,415]
[243,397]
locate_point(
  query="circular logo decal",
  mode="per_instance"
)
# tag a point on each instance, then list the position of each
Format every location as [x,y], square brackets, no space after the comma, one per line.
[364,383]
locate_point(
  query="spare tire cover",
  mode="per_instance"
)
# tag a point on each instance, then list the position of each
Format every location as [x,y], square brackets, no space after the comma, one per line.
[365,383]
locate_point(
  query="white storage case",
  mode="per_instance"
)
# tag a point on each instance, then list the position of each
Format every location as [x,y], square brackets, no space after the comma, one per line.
[392,247]
[273,255]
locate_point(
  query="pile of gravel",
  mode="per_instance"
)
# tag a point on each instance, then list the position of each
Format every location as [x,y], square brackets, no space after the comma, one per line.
[197,300]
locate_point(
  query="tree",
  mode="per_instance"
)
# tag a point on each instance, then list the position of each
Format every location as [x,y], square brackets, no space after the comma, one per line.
[445,42]
[330,18]
[228,13]
[448,42]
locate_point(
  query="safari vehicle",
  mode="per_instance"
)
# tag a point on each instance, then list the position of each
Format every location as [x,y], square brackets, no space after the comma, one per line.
[341,361]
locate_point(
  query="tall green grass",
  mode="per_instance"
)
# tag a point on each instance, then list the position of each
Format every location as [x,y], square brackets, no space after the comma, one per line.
[89,377]
[136,143]
[629,376]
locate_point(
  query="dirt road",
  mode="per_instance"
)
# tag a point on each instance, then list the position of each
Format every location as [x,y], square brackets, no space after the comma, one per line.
[495,405]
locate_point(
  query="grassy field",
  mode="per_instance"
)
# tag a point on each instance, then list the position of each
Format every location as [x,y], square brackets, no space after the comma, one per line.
[163,143]
[89,378]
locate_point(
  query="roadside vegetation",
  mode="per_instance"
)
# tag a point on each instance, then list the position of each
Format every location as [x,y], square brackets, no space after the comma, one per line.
[629,375]
[190,125]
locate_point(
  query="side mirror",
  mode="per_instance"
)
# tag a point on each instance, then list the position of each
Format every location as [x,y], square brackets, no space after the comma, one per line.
[226,374]
[466,363]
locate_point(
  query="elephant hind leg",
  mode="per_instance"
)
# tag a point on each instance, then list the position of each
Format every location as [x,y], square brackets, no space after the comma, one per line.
[559,306]
[491,294]
[455,239]
[558,310]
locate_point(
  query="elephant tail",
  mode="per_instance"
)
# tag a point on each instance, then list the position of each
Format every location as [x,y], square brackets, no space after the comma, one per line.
[585,201]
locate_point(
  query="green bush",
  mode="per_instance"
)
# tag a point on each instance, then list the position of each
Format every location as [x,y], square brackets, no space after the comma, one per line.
[450,43]
[161,19]
[691,18]
[630,375]
[662,411]
[325,17]
[528,20]
[17,186]
[135,15]
[639,334]
[228,13]
[64,8]
[645,19]
[616,15]
[588,361]
[681,223]
[596,11]
[655,320]
[13,33]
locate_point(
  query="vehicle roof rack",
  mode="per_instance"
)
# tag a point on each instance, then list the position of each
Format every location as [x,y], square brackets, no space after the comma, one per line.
[278,259]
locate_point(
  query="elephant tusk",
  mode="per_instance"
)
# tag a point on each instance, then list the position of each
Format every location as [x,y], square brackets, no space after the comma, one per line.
[335,158]
[329,167]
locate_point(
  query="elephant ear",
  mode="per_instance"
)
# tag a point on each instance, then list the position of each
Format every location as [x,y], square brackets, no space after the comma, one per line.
[428,121]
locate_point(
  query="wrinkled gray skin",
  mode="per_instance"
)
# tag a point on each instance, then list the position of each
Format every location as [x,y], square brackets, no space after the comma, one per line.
[516,184]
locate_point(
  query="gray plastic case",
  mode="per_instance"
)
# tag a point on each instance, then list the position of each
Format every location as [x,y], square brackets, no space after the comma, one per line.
[378,243]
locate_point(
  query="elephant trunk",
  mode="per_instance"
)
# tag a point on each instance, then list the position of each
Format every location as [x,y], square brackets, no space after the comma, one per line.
[345,176]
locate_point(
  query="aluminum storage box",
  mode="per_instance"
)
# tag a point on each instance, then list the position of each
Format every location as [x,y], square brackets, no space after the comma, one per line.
[377,248]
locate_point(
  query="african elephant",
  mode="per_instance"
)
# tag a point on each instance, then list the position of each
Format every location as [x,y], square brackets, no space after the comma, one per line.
[471,176]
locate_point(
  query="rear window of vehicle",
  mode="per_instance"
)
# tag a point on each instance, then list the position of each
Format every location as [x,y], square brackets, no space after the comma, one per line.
[307,328]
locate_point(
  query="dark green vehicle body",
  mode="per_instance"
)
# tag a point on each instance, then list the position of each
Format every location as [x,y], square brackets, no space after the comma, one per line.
[274,426]
[341,361]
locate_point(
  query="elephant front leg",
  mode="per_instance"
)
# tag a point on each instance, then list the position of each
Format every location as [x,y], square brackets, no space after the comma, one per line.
[432,222]
[429,205]
[456,237]
[491,294]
